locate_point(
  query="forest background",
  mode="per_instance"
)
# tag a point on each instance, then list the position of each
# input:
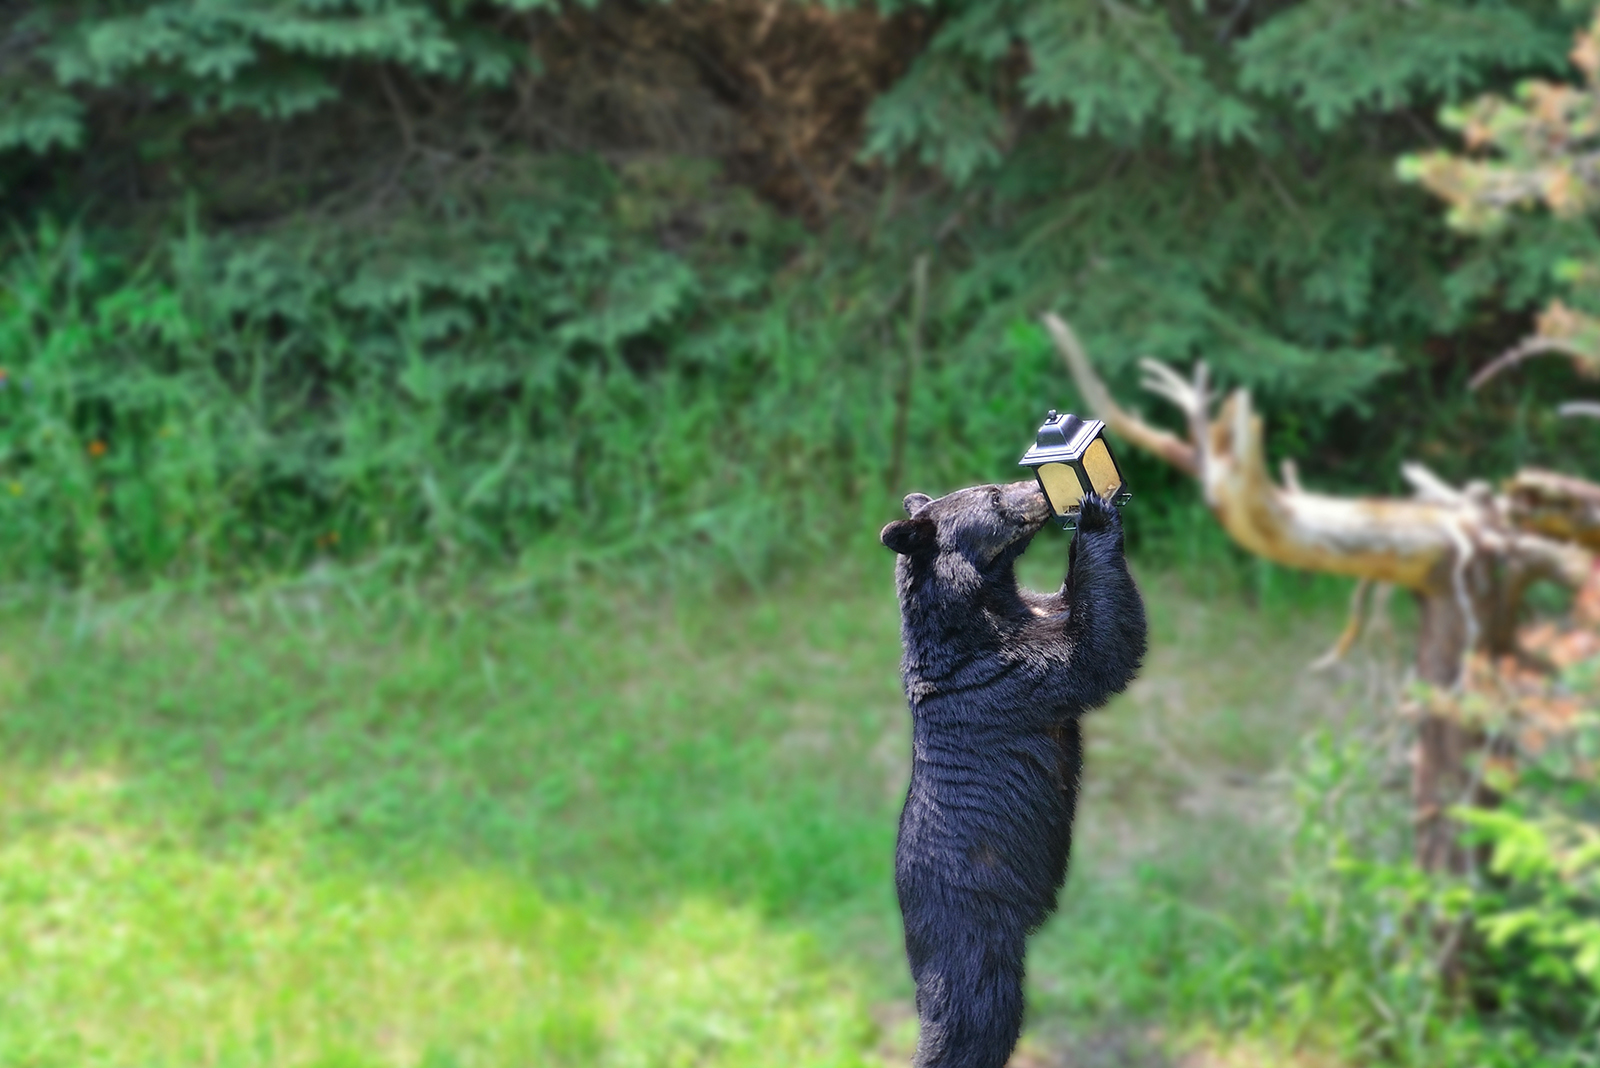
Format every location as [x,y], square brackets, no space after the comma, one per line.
[513,309]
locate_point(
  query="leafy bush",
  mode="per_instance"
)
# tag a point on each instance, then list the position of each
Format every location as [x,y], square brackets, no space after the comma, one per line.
[1391,964]
[563,392]
[462,383]
[1540,920]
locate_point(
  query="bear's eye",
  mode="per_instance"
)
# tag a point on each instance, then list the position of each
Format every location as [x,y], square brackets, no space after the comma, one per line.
[994,498]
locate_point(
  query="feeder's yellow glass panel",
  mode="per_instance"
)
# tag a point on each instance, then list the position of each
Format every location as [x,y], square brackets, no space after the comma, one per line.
[1102,472]
[1061,485]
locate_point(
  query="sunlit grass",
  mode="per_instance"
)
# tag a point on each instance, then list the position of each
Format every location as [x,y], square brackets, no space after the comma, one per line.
[310,826]
[121,944]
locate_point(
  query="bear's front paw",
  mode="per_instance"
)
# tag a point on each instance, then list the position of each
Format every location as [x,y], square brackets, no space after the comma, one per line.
[1096,513]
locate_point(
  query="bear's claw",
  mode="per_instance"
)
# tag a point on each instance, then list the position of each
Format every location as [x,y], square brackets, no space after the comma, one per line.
[1096,513]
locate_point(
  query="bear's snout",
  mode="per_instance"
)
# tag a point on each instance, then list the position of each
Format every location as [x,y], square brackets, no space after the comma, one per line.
[1026,502]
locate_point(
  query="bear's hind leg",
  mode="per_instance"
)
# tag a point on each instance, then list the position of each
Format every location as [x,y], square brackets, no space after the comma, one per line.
[969,995]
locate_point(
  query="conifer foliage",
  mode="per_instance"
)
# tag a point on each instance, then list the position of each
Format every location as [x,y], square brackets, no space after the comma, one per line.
[1212,181]
[276,59]
[451,278]
[1535,150]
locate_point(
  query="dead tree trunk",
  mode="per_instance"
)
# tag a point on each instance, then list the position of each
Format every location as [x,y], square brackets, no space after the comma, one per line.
[1468,555]
[1441,776]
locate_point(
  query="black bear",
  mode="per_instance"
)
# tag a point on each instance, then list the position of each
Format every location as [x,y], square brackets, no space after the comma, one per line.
[997,678]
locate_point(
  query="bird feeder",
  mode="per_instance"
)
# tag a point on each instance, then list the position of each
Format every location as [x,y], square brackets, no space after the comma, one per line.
[1071,458]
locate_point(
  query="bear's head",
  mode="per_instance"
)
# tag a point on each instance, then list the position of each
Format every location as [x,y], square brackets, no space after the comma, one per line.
[984,528]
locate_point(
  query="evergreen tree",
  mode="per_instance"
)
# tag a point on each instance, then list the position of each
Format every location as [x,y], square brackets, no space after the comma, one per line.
[1535,150]
[531,219]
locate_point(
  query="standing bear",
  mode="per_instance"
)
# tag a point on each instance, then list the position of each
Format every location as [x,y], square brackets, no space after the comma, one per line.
[997,678]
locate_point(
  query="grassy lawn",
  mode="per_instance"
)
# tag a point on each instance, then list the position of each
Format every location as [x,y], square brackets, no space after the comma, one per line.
[297,827]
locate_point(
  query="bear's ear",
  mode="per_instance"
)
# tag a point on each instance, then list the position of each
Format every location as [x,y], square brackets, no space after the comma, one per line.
[910,536]
[914,501]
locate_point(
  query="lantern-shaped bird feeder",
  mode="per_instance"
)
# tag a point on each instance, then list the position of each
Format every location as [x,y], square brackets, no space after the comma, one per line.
[1071,458]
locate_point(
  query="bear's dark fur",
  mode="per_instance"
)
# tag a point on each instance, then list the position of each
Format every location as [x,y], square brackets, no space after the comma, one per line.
[997,678]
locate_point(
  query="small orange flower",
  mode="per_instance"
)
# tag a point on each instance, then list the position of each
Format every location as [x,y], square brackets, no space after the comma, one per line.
[97,448]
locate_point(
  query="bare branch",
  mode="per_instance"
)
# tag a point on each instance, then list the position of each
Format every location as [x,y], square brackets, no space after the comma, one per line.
[1566,563]
[1533,346]
[1555,506]
[1163,381]
[1164,444]
[1399,541]
[402,119]
[1352,629]
[1192,398]
[1420,544]
[1429,486]
[1289,473]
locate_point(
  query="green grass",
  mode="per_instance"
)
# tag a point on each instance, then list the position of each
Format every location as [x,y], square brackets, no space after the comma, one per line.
[125,944]
[303,827]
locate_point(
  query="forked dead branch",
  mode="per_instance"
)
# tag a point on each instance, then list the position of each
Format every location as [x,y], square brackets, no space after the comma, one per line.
[1468,554]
